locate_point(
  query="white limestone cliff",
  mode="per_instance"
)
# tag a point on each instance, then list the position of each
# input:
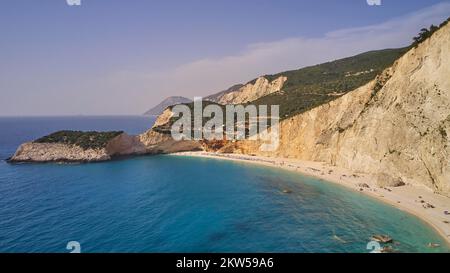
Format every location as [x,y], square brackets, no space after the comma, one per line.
[253,91]
[396,127]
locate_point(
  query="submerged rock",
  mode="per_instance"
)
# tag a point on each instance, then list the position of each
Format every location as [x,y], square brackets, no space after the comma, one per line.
[387,249]
[381,238]
[337,238]
[433,245]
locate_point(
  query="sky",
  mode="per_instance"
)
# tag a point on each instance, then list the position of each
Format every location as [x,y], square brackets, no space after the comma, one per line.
[121,57]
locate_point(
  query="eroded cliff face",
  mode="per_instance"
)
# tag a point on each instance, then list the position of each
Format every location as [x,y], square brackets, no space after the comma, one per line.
[164,118]
[159,143]
[250,92]
[396,127]
[55,152]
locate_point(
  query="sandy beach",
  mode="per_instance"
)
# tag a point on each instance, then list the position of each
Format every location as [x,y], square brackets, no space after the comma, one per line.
[416,200]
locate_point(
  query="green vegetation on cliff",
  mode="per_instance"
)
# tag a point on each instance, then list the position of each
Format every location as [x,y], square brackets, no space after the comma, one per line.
[309,87]
[427,33]
[312,86]
[85,140]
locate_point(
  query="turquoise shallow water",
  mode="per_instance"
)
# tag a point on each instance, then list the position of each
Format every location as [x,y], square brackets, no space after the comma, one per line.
[180,204]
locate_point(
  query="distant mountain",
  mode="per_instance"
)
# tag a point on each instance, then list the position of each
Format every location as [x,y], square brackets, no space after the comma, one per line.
[170,101]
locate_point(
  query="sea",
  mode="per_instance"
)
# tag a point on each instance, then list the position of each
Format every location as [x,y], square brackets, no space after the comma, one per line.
[166,203]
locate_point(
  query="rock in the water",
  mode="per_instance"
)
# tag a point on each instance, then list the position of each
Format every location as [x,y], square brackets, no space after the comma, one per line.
[387,249]
[381,238]
[433,245]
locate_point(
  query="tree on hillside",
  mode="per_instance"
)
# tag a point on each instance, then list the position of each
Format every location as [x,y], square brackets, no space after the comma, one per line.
[426,33]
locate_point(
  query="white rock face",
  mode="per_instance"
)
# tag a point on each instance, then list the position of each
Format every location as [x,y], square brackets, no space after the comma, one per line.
[125,144]
[57,152]
[163,118]
[401,130]
[54,152]
[157,143]
[250,92]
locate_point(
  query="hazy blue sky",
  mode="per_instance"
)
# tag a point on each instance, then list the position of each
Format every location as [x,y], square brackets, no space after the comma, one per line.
[124,56]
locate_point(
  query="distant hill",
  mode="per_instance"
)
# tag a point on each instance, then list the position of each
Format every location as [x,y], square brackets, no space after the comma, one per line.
[308,87]
[315,85]
[312,86]
[170,101]
[305,88]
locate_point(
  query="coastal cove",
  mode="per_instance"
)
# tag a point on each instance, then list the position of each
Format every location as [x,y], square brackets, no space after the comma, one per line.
[187,203]
[172,204]
[411,199]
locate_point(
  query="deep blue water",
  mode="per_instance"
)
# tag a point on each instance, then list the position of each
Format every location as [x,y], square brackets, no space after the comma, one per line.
[175,204]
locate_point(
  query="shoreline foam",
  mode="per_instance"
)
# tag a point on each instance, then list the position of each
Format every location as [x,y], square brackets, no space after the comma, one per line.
[409,198]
